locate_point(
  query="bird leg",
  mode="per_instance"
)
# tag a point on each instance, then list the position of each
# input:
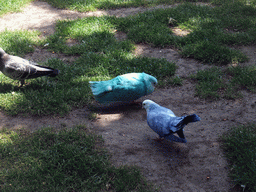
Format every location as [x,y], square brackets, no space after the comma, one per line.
[181,134]
[172,137]
[22,82]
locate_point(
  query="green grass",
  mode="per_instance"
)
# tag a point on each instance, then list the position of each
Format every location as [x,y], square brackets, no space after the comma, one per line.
[173,81]
[7,6]
[209,83]
[215,83]
[96,44]
[244,77]
[19,42]
[44,96]
[240,146]
[214,31]
[67,160]
[92,5]
[99,57]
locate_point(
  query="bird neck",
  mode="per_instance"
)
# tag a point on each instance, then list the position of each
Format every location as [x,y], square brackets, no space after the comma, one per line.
[152,107]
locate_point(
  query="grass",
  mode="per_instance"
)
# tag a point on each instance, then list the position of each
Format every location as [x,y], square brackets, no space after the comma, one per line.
[91,5]
[96,44]
[7,6]
[99,57]
[215,83]
[44,95]
[213,31]
[19,42]
[67,160]
[239,146]
[210,82]
[70,160]
[244,77]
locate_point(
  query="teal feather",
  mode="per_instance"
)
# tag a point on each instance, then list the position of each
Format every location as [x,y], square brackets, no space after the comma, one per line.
[127,87]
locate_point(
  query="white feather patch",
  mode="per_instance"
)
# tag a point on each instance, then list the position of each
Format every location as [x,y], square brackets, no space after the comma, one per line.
[109,88]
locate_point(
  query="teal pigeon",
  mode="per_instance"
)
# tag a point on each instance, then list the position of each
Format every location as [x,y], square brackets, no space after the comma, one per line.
[127,87]
[165,123]
[20,69]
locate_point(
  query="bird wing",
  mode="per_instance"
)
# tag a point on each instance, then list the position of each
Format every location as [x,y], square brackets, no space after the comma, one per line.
[163,123]
[166,111]
[19,68]
[118,84]
[123,83]
[127,87]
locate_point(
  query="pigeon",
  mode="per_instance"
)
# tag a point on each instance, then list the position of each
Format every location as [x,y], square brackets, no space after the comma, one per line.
[165,123]
[123,88]
[20,69]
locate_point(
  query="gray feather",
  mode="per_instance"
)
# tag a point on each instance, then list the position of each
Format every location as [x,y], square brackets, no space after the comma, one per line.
[20,69]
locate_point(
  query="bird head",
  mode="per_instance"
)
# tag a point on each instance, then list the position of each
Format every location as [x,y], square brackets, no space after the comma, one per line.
[147,103]
[150,82]
[2,54]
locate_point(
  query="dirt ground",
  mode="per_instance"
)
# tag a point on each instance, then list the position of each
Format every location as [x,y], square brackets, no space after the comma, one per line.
[198,165]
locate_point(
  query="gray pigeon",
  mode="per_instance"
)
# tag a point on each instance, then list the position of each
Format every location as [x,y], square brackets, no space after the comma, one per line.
[20,69]
[164,122]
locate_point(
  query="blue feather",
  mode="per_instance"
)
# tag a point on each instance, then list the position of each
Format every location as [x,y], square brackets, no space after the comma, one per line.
[127,87]
[165,123]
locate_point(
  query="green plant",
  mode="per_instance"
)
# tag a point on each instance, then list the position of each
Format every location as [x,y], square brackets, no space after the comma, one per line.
[239,146]
[210,82]
[100,57]
[19,42]
[7,6]
[244,77]
[65,160]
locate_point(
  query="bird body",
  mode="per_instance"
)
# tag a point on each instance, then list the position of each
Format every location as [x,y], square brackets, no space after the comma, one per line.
[127,87]
[165,123]
[20,69]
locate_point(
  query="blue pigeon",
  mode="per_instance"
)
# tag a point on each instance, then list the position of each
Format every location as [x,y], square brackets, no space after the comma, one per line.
[165,123]
[20,69]
[127,87]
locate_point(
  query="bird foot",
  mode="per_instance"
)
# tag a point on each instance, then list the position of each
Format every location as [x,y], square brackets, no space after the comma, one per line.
[22,82]
[21,85]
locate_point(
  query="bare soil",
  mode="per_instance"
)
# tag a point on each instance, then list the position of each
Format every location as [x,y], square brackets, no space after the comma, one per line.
[198,165]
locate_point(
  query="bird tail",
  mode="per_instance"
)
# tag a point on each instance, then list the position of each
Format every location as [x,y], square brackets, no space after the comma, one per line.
[100,87]
[44,70]
[189,119]
[54,73]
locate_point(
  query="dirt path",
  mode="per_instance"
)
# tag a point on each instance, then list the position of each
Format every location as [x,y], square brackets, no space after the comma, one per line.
[198,165]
